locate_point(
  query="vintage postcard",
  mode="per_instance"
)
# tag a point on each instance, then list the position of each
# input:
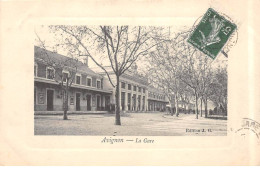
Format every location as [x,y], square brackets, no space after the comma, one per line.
[129,83]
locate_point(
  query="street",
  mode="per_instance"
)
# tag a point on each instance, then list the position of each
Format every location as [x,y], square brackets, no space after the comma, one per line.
[133,124]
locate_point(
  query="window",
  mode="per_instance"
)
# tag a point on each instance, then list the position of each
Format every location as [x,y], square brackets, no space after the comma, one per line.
[139,89]
[134,88]
[98,84]
[65,76]
[123,85]
[78,79]
[35,69]
[89,82]
[129,87]
[143,90]
[50,73]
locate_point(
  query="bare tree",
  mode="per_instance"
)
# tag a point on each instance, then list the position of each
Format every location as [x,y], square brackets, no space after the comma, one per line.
[206,81]
[218,89]
[59,65]
[194,67]
[165,70]
[120,46]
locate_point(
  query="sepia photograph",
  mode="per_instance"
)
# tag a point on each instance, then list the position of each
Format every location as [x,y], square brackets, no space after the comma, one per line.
[122,80]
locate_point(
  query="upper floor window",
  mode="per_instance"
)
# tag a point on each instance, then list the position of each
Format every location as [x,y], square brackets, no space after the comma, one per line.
[35,69]
[143,90]
[139,89]
[65,76]
[129,87]
[78,79]
[134,88]
[89,81]
[50,73]
[123,85]
[98,84]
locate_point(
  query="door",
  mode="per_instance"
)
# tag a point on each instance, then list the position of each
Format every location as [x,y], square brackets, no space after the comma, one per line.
[98,103]
[123,100]
[50,100]
[88,102]
[129,101]
[134,102]
[77,101]
[107,102]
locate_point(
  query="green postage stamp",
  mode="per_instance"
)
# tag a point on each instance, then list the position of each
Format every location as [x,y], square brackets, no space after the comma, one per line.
[212,33]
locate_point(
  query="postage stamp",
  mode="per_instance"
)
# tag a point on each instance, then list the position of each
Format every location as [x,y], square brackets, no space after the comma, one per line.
[212,33]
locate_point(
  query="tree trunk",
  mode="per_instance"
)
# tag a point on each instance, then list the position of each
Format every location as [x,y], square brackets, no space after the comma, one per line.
[176,104]
[201,107]
[171,109]
[206,107]
[118,121]
[196,106]
[65,117]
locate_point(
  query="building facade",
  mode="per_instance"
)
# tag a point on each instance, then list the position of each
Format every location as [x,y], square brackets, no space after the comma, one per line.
[90,91]
[86,92]
[157,100]
[135,92]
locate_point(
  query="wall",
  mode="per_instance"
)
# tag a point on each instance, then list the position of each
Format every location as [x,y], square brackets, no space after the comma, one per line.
[41,88]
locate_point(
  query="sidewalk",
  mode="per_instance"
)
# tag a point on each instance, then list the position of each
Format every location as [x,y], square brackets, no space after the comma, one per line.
[69,112]
[133,124]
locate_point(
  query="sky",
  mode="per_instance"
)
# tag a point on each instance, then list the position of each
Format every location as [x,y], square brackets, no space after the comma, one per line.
[176,25]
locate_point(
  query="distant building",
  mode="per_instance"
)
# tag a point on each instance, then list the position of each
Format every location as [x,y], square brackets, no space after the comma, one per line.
[157,100]
[183,106]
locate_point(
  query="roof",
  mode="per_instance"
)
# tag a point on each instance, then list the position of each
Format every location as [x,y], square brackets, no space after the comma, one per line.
[128,74]
[58,58]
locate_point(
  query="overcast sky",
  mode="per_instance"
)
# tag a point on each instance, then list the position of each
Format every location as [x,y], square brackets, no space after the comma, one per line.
[176,25]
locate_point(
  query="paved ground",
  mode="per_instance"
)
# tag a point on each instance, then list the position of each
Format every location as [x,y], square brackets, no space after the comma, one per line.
[133,124]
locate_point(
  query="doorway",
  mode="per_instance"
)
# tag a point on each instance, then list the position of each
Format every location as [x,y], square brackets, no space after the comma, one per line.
[77,101]
[50,94]
[107,102]
[88,102]
[98,102]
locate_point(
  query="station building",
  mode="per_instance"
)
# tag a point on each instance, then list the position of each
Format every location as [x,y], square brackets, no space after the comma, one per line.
[135,92]
[86,94]
[91,90]
[157,100]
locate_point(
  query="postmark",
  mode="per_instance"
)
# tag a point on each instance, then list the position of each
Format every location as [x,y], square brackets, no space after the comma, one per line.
[249,127]
[212,33]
